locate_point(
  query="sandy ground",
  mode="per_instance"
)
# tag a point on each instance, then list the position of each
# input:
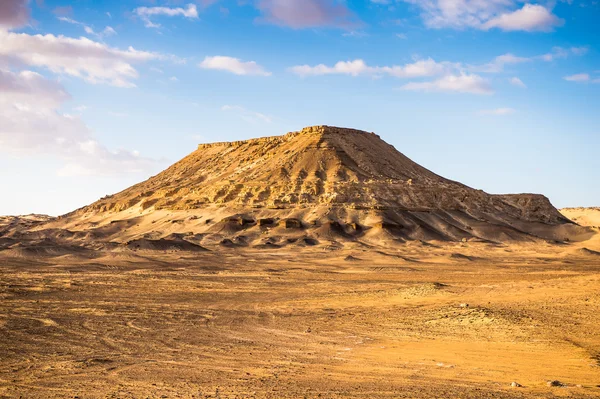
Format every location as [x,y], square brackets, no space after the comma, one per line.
[583,216]
[246,323]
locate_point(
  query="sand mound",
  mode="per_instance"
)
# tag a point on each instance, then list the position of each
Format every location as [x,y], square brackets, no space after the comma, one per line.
[583,216]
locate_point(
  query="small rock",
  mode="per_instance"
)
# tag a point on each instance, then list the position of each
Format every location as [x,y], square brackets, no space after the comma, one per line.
[308,330]
[464,305]
[515,384]
[554,383]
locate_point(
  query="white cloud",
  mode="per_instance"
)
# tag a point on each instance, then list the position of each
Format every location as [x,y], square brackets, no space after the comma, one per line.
[31,124]
[299,14]
[463,83]
[498,111]
[580,77]
[532,17]
[247,115]
[353,68]
[82,58]
[145,13]
[485,14]
[233,65]
[420,68]
[109,31]
[517,82]
[401,36]
[452,75]
[497,64]
[13,13]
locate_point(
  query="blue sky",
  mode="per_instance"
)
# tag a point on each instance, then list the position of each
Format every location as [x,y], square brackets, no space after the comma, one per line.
[502,95]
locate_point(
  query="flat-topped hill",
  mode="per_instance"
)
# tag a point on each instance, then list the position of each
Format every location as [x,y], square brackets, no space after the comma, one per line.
[322,181]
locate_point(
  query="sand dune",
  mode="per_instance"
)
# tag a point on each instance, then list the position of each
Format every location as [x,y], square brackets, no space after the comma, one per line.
[583,216]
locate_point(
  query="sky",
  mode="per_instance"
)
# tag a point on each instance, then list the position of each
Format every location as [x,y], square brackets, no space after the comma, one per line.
[97,95]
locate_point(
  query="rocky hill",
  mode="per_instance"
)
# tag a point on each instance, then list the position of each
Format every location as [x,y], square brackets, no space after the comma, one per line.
[321,185]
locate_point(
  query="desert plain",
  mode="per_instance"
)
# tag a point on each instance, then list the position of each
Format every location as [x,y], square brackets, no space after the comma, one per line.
[430,320]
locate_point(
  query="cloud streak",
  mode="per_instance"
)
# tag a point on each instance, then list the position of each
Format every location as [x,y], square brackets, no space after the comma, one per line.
[419,68]
[247,115]
[581,78]
[517,82]
[463,83]
[233,65]
[108,31]
[145,13]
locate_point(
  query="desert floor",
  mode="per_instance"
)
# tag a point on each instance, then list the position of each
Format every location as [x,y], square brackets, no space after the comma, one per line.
[356,322]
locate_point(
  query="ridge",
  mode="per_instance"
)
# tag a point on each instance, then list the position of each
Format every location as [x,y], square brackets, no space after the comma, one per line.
[317,130]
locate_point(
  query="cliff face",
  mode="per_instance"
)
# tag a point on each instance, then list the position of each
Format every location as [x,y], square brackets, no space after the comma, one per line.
[323,175]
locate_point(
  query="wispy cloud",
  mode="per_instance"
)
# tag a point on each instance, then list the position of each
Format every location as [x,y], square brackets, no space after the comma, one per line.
[580,77]
[233,65]
[517,82]
[463,83]
[500,63]
[108,31]
[419,68]
[145,13]
[560,52]
[247,115]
